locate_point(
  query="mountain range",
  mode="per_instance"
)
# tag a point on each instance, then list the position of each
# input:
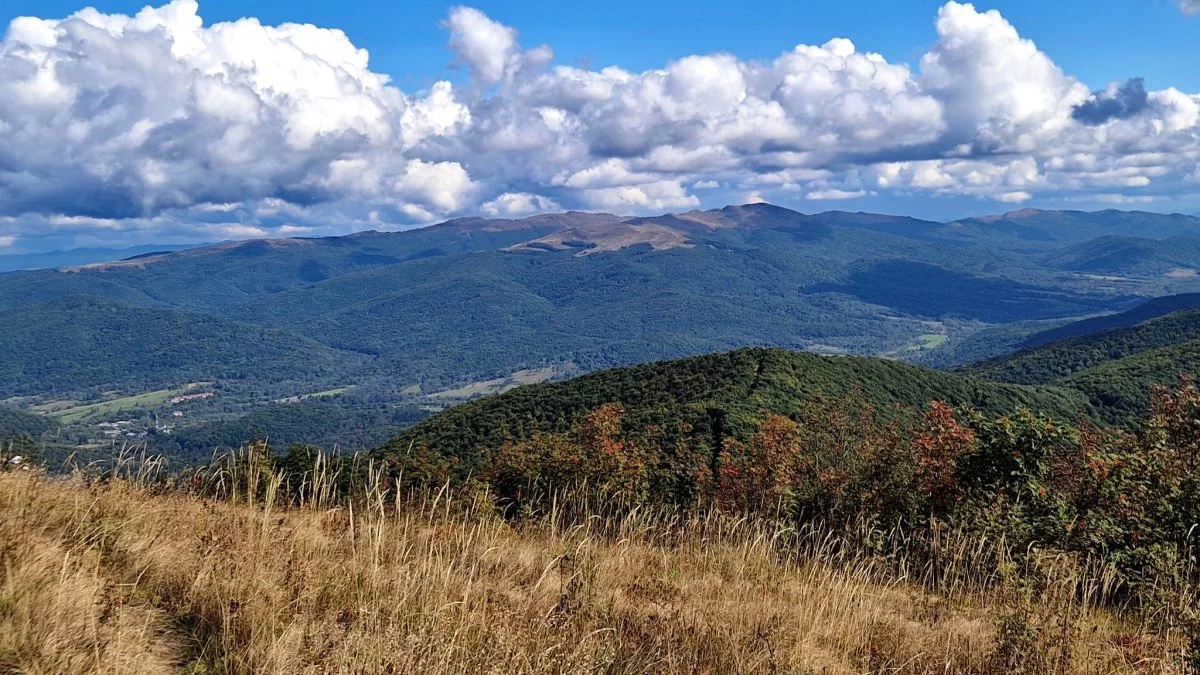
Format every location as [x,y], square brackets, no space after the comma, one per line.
[472,306]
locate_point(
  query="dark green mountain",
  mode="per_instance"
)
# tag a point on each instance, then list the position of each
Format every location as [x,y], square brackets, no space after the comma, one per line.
[76,347]
[717,394]
[216,277]
[1034,228]
[1057,360]
[1151,309]
[1120,388]
[999,341]
[1130,255]
[1115,368]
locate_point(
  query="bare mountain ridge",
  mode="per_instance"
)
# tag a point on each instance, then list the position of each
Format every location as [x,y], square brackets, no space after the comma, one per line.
[589,233]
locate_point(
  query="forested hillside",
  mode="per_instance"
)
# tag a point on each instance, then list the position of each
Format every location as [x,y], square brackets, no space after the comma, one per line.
[1151,309]
[1063,358]
[709,397]
[316,423]
[1115,368]
[1121,387]
[79,346]
[15,423]
[1125,255]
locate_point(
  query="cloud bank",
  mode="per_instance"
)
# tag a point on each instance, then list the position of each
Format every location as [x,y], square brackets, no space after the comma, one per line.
[113,124]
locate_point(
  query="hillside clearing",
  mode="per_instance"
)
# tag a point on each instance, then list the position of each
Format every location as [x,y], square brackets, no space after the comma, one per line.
[93,411]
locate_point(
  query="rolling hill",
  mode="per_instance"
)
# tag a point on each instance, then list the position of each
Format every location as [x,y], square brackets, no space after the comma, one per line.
[323,424]
[1151,309]
[1054,361]
[714,395]
[1120,388]
[1036,228]
[1179,255]
[1115,367]
[996,342]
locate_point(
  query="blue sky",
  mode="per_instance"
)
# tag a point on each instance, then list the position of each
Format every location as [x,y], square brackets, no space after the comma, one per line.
[1111,40]
[121,131]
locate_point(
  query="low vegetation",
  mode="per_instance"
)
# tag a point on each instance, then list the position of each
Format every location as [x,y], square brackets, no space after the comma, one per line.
[256,566]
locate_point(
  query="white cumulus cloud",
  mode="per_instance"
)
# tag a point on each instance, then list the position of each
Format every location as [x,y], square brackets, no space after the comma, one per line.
[511,204]
[158,124]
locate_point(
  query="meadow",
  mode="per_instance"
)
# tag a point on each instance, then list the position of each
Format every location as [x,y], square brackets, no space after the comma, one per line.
[242,568]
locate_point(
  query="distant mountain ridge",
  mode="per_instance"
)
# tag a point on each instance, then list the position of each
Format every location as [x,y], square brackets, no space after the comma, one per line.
[580,230]
[79,256]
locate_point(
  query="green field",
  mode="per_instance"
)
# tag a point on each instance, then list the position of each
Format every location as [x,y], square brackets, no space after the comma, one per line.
[498,385]
[317,394]
[92,411]
[932,340]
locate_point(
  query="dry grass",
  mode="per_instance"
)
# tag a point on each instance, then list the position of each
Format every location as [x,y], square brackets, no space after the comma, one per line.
[117,576]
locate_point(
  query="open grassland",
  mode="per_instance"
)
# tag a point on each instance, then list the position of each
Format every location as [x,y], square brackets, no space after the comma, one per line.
[498,385]
[69,412]
[336,391]
[128,575]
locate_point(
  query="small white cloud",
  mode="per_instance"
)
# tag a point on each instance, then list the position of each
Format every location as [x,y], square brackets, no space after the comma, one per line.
[1190,6]
[483,45]
[1012,197]
[290,230]
[511,204]
[7,240]
[655,196]
[237,231]
[416,213]
[442,186]
[1116,198]
[754,197]
[705,185]
[835,194]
